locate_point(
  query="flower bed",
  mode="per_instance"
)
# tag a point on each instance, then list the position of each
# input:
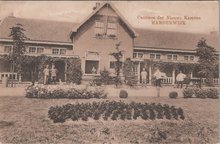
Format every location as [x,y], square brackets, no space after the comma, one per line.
[114,110]
[65,91]
[201,93]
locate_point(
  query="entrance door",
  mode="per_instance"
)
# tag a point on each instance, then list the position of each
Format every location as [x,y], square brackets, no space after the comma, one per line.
[60,66]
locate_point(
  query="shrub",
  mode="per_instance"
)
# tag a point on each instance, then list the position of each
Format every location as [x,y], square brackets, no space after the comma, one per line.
[173,94]
[200,93]
[74,72]
[64,92]
[212,93]
[97,81]
[105,77]
[188,92]
[123,94]
[113,110]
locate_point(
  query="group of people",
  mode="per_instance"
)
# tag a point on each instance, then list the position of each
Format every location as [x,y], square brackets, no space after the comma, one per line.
[159,76]
[50,75]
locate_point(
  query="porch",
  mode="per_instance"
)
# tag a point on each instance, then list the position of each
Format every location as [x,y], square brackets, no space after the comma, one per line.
[171,74]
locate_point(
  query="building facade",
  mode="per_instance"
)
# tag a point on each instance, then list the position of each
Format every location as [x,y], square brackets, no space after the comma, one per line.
[95,38]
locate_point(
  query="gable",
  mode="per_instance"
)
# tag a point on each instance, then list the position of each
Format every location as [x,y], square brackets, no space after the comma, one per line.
[107,9]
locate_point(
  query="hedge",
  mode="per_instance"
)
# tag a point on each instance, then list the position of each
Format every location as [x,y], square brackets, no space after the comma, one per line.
[201,93]
[64,92]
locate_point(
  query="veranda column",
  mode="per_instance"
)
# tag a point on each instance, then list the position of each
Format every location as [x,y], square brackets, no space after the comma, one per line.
[191,75]
[150,74]
[173,75]
[65,75]
[139,69]
[19,77]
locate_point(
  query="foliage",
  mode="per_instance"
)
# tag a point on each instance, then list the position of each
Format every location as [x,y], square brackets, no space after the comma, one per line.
[130,78]
[97,82]
[18,37]
[207,61]
[74,72]
[188,92]
[36,65]
[105,77]
[173,94]
[201,93]
[163,66]
[123,94]
[70,92]
[113,110]
[118,63]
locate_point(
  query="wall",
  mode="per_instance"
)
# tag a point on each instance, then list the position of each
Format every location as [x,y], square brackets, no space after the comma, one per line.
[85,40]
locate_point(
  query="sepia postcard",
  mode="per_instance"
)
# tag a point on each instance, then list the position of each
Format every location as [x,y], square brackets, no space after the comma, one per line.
[109,72]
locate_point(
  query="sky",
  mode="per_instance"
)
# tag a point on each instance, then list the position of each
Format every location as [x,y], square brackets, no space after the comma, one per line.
[137,13]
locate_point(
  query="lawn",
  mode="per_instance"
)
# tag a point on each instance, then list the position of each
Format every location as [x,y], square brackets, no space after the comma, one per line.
[25,120]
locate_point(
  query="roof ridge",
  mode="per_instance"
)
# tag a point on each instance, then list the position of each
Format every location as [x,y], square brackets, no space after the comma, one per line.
[170,31]
[36,19]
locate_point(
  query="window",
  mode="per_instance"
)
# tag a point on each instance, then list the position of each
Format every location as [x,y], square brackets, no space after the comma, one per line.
[192,58]
[112,29]
[40,50]
[32,49]
[8,49]
[169,57]
[112,62]
[55,51]
[58,51]
[92,62]
[157,56]
[105,29]
[189,58]
[138,55]
[99,28]
[172,57]
[62,51]
[152,56]
[186,58]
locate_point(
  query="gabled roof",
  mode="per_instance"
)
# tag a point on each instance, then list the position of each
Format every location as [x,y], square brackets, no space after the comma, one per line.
[54,31]
[173,40]
[132,30]
[39,30]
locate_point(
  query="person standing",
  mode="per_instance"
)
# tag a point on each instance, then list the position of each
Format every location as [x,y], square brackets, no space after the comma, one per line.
[180,78]
[53,74]
[143,77]
[46,74]
[158,76]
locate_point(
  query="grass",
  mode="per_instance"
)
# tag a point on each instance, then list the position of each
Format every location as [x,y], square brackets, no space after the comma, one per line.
[24,120]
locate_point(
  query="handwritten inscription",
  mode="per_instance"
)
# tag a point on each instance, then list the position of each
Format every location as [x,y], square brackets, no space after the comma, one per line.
[169,20]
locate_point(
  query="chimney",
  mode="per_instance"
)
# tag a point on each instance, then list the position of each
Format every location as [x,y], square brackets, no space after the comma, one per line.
[11,15]
[96,6]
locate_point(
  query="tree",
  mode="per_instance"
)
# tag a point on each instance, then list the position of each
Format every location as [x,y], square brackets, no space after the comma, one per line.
[118,63]
[207,61]
[18,37]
